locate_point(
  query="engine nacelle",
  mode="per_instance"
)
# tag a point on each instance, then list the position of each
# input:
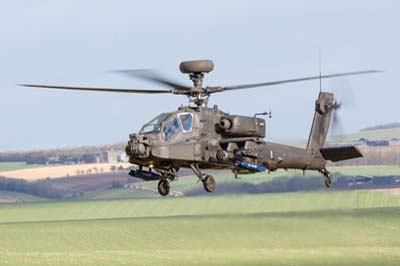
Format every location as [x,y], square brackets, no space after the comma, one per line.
[242,126]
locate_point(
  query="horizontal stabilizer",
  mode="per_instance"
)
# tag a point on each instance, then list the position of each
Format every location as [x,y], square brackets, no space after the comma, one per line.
[336,154]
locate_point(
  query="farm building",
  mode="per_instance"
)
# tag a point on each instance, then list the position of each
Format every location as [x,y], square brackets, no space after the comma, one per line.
[373,143]
[112,156]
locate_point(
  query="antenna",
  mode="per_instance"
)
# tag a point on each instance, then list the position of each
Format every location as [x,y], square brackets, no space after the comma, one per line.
[320,71]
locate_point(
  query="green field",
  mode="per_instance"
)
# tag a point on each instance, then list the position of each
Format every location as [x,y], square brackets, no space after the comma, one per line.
[317,228]
[4,167]
[382,134]
[150,188]
[19,197]
[190,182]
[351,138]
[367,170]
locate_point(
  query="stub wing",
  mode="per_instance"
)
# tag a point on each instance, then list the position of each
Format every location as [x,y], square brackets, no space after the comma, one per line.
[336,154]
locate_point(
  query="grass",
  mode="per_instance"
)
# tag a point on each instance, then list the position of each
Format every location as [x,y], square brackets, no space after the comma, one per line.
[183,206]
[318,228]
[351,138]
[19,197]
[150,188]
[382,134]
[256,178]
[365,237]
[121,193]
[12,166]
[367,170]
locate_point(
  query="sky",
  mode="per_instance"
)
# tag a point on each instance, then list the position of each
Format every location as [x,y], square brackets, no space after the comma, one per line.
[80,43]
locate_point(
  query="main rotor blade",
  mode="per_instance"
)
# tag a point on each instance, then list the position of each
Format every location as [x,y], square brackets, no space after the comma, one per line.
[97,89]
[150,75]
[248,86]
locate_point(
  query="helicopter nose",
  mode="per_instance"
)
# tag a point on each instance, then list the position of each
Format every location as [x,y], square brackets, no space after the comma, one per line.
[140,149]
[138,146]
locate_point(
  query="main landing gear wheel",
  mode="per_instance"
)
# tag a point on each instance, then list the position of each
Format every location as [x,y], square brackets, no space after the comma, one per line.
[163,187]
[209,183]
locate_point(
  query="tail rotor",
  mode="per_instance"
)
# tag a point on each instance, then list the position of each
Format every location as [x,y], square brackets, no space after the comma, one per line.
[344,100]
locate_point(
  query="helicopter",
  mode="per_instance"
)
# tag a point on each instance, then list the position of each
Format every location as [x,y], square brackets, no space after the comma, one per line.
[199,137]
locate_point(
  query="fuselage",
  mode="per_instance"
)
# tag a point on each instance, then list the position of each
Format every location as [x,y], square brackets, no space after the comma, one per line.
[213,139]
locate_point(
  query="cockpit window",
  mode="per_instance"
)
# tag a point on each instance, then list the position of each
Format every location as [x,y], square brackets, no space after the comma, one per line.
[170,129]
[186,121]
[154,125]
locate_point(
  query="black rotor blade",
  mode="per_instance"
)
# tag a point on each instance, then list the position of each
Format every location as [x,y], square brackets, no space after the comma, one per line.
[248,86]
[97,89]
[336,123]
[151,75]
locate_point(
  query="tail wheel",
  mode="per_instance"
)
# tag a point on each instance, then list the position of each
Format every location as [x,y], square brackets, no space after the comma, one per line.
[209,183]
[328,181]
[163,187]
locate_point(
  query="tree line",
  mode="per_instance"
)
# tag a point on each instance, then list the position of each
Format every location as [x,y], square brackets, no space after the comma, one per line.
[86,154]
[41,188]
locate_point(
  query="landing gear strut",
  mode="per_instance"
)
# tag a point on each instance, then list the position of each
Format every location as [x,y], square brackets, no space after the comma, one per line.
[163,187]
[166,175]
[327,177]
[207,180]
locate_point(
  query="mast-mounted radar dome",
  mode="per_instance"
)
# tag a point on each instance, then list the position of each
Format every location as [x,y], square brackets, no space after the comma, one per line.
[197,66]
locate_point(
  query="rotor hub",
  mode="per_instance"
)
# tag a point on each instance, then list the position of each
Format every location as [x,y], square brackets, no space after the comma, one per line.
[196,70]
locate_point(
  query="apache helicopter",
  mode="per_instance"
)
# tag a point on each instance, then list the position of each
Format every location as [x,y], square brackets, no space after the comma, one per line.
[199,137]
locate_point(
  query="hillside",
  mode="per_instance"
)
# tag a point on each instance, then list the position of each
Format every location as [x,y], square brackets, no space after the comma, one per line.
[246,184]
[9,197]
[59,171]
[384,126]
[380,134]
[8,159]
[111,185]
[13,166]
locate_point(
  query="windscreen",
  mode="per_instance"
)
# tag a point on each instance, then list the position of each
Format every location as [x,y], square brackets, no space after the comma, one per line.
[155,124]
[186,121]
[170,129]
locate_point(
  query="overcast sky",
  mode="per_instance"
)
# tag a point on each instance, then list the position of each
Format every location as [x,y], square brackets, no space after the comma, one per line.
[77,43]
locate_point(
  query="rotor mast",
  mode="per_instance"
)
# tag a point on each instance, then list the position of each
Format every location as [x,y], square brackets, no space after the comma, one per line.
[197,95]
[196,69]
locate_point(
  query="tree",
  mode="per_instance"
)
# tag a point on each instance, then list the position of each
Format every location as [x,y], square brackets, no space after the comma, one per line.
[116,184]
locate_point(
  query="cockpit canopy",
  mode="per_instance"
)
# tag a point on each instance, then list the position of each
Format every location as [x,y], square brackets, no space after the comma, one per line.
[170,124]
[154,125]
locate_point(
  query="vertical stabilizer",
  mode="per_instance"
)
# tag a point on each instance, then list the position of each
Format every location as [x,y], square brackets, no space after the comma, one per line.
[324,108]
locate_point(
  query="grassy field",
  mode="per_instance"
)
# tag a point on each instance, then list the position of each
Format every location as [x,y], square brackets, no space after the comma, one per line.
[7,196]
[13,166]
[187,182]
[149,189]
[367,170]
[381,134]
[318,228]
